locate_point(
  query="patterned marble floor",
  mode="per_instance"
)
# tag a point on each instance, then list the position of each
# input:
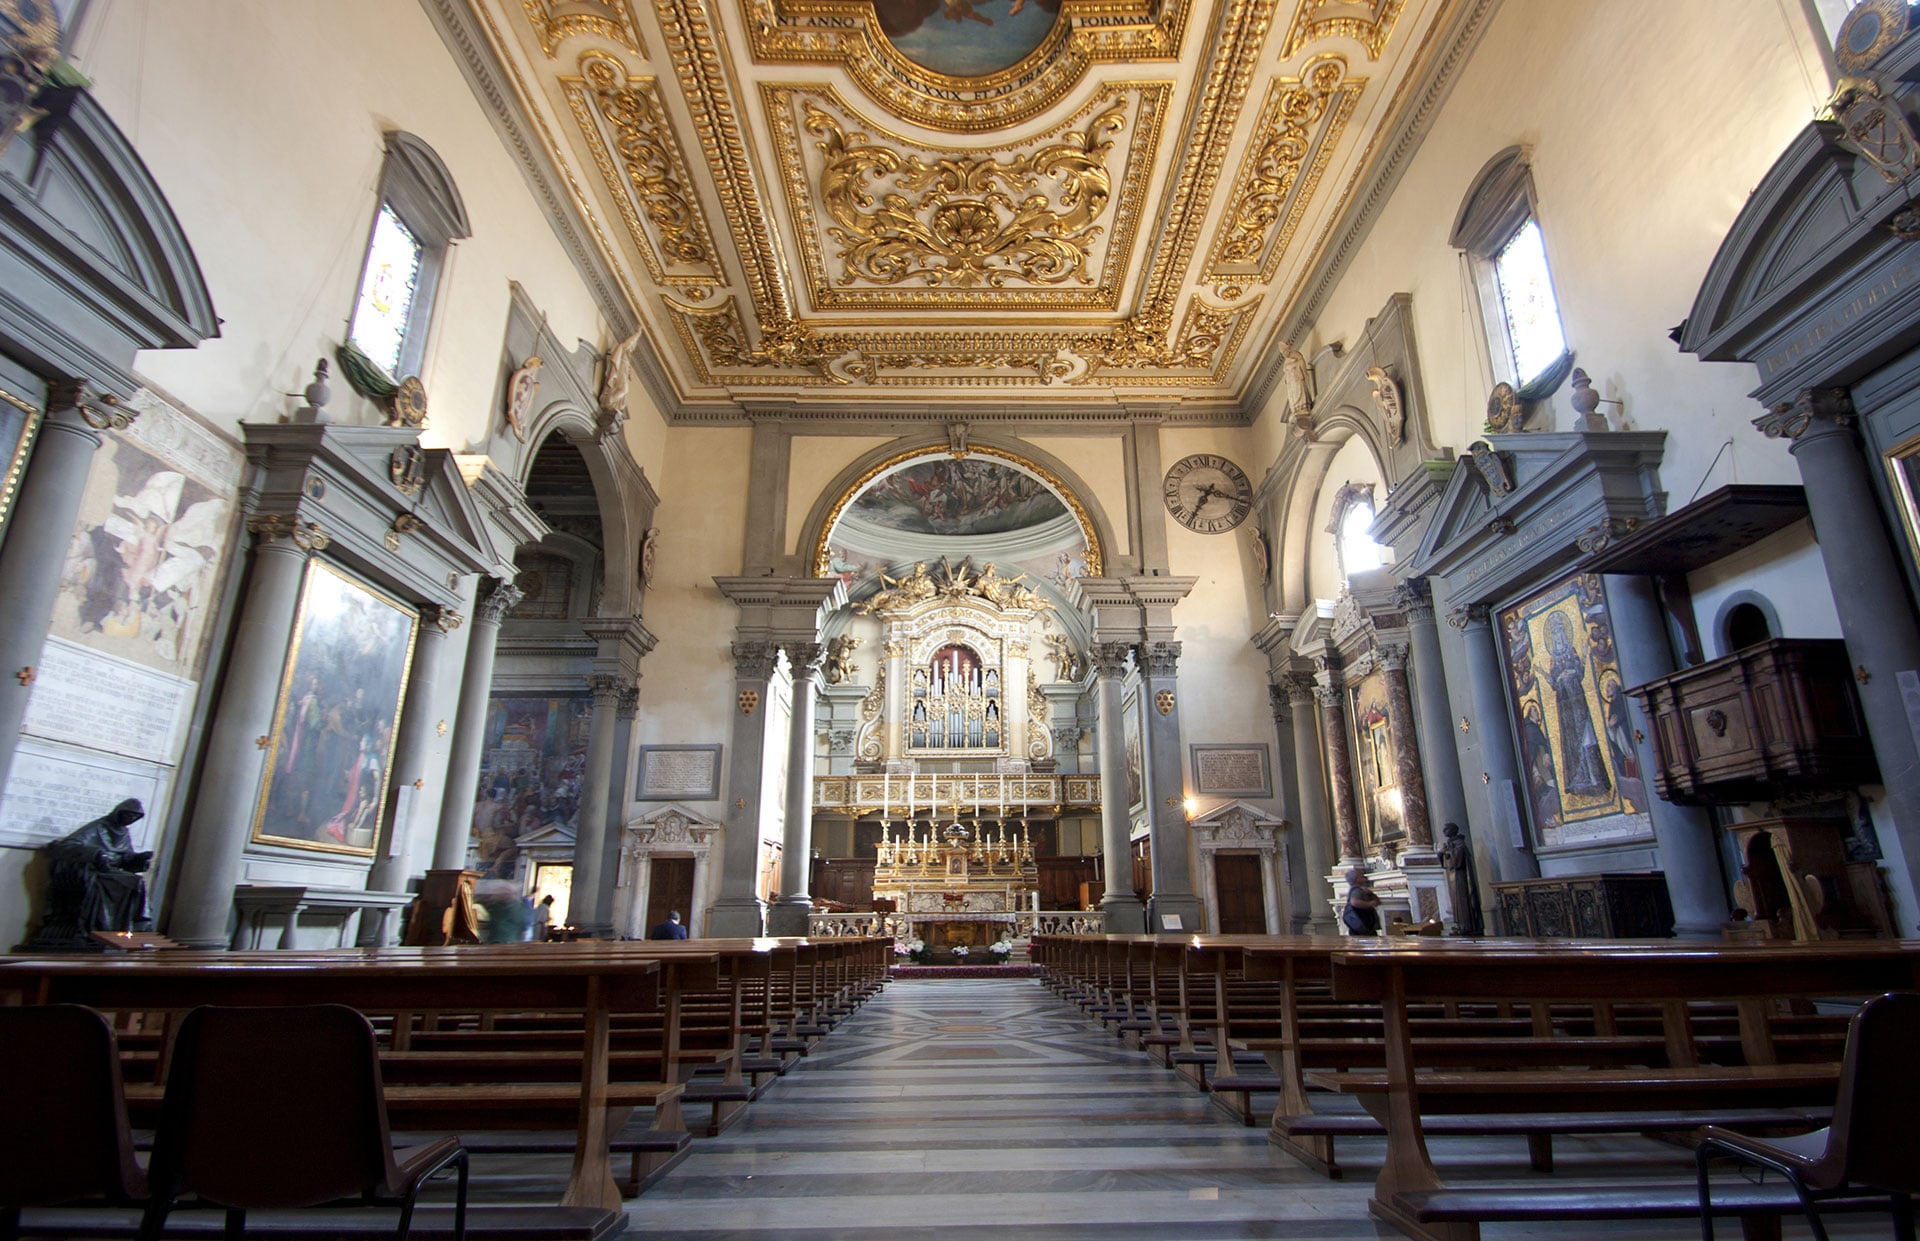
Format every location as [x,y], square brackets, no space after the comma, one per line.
[988,1110]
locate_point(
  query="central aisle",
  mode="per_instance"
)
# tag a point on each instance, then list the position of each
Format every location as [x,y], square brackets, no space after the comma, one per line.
[988,1108]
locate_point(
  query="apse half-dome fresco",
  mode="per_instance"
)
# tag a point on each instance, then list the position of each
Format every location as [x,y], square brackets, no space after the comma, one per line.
[966,38]
[975,507]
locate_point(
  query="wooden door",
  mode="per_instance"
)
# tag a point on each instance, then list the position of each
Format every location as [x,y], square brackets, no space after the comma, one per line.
[670,889]
[1243,906]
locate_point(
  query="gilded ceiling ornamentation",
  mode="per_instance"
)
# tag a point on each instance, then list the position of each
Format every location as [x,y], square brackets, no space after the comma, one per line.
[1300,124]
[850,32]
[1315,20]
[954,220]
[605,19]
[626,127]
[1040,223]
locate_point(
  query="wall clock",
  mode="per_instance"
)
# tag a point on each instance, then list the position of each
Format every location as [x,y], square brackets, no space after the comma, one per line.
[1207,494]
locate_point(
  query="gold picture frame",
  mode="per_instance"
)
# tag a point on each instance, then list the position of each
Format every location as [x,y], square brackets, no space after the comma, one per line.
[1903,463]
[19,425]
[337,718]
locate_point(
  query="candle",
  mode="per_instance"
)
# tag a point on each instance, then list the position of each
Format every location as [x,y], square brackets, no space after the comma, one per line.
[886,789]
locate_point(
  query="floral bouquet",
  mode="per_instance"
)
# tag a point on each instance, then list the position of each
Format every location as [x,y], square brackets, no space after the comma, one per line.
[960,952]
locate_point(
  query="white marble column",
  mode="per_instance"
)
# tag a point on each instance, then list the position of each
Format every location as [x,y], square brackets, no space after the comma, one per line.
[228,791]
[1166,812]
[1123,911]
[789,915]
[470,724]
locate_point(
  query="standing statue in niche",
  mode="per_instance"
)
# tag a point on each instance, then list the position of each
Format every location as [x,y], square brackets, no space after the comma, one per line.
[1297,373]
[1457,860]
[98,882]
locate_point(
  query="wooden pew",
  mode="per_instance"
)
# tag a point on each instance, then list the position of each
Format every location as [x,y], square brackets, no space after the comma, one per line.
[1410,1194]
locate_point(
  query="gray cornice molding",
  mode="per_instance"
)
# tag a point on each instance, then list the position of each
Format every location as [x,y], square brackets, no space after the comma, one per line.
[1411,130]
[460,31]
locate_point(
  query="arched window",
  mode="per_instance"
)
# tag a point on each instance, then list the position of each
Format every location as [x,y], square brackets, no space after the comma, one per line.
[418,219]
[1352,530]
[1498,230]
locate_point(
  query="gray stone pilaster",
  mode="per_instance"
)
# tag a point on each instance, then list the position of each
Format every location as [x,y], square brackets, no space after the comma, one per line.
[738,910]
[1316,823]
[1440,759]
[1876,618]
[1688,854]
[228,790]
[589,909]
[412,758]
[44,514]
[1166,811]
[470,723]
[790,913]
[1500,771]
[1124,915]
[619,788]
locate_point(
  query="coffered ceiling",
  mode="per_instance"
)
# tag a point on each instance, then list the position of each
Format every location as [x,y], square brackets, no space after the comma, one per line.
[1069,209]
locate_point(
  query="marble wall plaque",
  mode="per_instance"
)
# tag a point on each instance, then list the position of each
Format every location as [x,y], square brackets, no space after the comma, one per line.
[102,702]
[679,773]
[54,788]
[1231,770]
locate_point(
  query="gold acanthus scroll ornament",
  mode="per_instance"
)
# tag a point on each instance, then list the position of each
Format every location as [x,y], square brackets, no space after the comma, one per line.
[964,220]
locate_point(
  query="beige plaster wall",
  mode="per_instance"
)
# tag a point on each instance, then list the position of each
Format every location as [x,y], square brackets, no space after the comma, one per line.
[686,683]
[1101,463]
[263,124]
[1223,676]
[1650,122]
[812,462]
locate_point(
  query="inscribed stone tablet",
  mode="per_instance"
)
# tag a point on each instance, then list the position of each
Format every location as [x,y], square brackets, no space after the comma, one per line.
[679,773]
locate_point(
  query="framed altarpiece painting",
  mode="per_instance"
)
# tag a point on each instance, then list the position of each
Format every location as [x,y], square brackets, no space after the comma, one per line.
[330,752]
[1579,769]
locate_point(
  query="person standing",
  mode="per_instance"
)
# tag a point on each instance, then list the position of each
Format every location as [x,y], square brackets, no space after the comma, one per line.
[670,929]
[543,919]
[1362,914]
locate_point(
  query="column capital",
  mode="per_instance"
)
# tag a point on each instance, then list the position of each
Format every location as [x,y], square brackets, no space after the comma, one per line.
[805,657]
[1414,598]
[601,685]
[1330,695]
[501,599]
[1299,687]
[1392,655]
[101,411]
[1158,659]
[1469,615]
[753,661]
[627,705]
[1110,658]
[1812,409]
[275,527]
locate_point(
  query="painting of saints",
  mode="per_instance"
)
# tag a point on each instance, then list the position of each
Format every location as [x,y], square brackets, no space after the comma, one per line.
[1626,759]
[1586,771]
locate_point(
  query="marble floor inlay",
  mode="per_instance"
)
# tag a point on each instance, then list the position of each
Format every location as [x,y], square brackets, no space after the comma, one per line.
[988,1109]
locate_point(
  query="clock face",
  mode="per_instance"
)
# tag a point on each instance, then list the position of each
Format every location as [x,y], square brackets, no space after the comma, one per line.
[1207,494]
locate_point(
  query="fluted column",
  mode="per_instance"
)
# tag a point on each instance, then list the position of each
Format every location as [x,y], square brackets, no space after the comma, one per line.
[1316,824]
[790,913]
[1124,915]
[1440,759]
[229,786]
[470,723]
[1331,691]
[412,756]
[1408,777]
[1502,846]
[738,911]
[1876,618]
[1166,812]
[44,514]
[589,908]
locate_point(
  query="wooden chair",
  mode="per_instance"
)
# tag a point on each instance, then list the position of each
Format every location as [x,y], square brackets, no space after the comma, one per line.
[67,1137]
[1870,1143]
[282,1108]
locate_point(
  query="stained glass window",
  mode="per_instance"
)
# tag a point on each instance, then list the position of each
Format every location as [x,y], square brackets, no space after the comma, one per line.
[1526,298]
[381,314]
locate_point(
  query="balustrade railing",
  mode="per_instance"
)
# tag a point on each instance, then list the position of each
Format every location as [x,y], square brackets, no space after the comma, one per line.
[980,795]
[1026,923]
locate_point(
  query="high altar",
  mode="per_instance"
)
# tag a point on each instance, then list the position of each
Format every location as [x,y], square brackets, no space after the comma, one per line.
[958,887]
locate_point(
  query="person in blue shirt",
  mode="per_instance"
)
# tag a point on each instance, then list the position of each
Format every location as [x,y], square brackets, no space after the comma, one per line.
[670,929]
